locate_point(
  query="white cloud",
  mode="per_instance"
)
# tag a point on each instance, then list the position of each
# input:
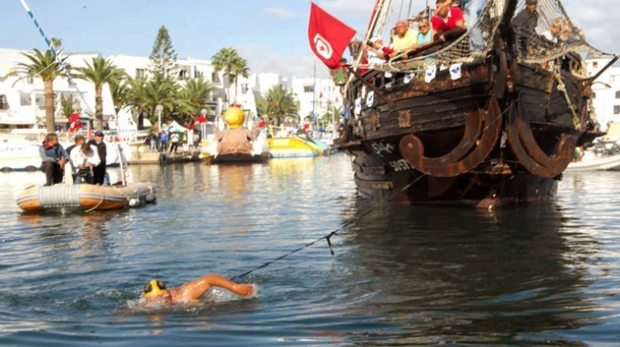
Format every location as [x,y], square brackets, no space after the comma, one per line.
[348,6]
[280,12]
[596,18]
[261,58]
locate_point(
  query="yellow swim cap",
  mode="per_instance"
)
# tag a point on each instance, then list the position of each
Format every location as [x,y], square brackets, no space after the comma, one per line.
[154,288]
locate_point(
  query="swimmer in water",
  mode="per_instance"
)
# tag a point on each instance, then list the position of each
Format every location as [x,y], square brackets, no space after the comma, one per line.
[191,292]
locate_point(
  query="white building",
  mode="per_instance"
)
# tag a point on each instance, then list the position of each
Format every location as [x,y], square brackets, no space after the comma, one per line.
[606,90]
[22,101]
[315,95]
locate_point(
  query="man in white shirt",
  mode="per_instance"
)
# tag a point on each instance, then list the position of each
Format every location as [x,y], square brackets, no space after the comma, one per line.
[84,159]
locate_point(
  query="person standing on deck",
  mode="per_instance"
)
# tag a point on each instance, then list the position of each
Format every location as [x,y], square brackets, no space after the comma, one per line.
[99,170]
[404,39]
[525,24]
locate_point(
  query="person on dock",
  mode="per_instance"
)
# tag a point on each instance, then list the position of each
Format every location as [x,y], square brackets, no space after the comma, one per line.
[99,170]
[53,157]
[175,138]
[156,292]
[163,141]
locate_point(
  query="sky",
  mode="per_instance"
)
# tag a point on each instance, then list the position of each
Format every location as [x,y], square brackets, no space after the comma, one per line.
[270,34]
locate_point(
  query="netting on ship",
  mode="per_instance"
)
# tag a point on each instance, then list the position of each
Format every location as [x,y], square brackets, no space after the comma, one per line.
[535,44]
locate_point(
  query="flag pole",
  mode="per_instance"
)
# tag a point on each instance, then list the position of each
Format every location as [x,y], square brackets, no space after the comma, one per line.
[314,116]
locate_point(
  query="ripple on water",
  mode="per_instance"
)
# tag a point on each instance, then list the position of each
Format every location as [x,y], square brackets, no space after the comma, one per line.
[400,276]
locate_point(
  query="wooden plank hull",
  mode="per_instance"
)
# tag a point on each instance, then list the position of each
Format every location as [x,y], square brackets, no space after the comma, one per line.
[464,141]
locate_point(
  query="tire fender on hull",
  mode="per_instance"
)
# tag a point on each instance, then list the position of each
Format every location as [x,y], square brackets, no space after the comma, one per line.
[482,131]
[525,147]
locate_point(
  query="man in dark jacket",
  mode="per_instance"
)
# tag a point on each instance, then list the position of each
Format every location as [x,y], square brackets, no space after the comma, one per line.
[99,170]
[53,158]
[525,24]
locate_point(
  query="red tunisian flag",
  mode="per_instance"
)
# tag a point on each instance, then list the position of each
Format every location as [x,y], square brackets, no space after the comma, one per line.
[328,36]
[199,120]
[74,121]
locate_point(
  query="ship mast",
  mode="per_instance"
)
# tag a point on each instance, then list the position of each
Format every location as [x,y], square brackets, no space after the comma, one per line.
[377,13]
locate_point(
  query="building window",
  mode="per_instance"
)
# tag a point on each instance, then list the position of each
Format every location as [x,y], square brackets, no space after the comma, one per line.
[183,75]
[140,73]
[39,100]
[198,74]
[616,109]
[618,95]
[4,103]
[593,95]
[24,99]
[244,88]
[215,77]
[595,64]
[308,89]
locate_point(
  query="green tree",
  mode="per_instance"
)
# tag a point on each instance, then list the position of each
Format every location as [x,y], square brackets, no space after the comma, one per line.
[99,71]
[67,105]
[163,56]
[278,104]
[228,60]
[120,90]
[331,115]
[46,67]
[194,96]
[146,95]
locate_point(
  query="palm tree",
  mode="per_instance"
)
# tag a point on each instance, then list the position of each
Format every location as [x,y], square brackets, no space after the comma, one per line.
[332,115]
[278,104]
[194,96]
[228,60]
[46,67]
[120,90]
[99,71]
[146,95]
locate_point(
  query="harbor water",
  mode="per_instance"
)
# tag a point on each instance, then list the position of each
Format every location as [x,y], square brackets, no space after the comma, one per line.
[400,275]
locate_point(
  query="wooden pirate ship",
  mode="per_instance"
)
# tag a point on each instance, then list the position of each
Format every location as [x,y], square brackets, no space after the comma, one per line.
[489,117]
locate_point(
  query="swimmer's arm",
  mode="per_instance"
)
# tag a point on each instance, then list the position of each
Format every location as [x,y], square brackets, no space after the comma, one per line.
[197,288]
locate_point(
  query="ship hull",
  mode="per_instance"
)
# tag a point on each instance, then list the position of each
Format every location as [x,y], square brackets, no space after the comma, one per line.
[473,189]
[464,141]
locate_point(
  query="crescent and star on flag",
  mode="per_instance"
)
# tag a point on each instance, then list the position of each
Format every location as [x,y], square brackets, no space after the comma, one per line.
[328,36]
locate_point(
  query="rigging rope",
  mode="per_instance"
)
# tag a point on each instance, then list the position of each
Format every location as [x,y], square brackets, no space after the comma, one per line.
[55,54]
[325,237]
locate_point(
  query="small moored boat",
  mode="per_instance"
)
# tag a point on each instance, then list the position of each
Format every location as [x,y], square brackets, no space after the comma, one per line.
[85,197]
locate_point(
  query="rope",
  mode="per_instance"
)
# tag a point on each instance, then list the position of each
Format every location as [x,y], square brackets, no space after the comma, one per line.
[562,88]
[55,53]
[361,215]
[325,237]
[96,206]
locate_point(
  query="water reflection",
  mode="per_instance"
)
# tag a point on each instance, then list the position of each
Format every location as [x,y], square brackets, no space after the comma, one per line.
[457,276]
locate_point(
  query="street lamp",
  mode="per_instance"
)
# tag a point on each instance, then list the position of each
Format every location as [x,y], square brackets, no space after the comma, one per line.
[158,110]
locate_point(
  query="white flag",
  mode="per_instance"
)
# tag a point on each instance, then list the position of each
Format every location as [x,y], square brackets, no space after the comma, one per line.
[358,106]
[408,77]
[370,99]
[455,71]
[430,74]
